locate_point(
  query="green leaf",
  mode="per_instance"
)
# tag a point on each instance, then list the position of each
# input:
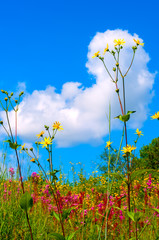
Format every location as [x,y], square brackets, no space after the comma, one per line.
[131,215]
[66,213]
[12,145]
[156,210]
[56,216]
[71,236]
[26,201]
[135,217]
[57,236]
[125,118]
[130,112]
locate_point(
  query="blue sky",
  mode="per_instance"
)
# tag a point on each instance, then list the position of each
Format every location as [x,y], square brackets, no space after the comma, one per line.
[49,44]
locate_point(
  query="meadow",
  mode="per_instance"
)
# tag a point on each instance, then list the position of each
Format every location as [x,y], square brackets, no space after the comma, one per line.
[82,204]
[115,204]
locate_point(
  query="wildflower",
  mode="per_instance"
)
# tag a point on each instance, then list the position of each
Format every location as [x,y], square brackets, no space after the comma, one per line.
[46,142]
[22,149]
[57,126]
[128,149]
[119,42]
[34,174]
[96,54]
[138,42]
[108,144]
[106,49]
[32,160]
[11,171]
[139,133]
[155,116]
[40,134]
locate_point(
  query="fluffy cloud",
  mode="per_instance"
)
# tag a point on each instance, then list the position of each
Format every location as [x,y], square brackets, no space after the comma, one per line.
[82,110]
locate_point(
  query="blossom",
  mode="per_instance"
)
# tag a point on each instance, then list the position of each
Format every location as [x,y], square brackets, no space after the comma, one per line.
[11,170]
[40,134]
[46,142]
[155,116]
[128,149]
[96,54]
[34,174]
[108,144]
[22,149]
[106,49]
[119,42]
[138,42]
[57,126]
[139,133]
[32,160]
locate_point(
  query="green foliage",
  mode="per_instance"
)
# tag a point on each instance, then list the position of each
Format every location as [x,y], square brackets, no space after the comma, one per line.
[26,201]
[125,118]
[103,167]
[57,236]
[12,145]
[135,216]
[149,156]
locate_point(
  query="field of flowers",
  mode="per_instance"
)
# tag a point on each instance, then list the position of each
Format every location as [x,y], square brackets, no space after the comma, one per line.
[112,205]
[82,205]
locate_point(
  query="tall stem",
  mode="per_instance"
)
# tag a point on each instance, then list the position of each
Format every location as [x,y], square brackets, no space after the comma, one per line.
[128,168]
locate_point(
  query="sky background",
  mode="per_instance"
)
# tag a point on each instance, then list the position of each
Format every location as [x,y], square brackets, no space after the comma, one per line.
[46,50]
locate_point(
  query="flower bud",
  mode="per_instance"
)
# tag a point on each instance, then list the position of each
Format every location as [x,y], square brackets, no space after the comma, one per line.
[31,149]
[16,101]
[46,127]
[21,93]
[114,69]
[11,94]
[117,64]
[134,48]
[2,91]
[6,99]
[1,122]
[117,90]
[48,160]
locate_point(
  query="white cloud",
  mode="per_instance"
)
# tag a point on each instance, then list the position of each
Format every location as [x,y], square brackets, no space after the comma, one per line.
[82,111]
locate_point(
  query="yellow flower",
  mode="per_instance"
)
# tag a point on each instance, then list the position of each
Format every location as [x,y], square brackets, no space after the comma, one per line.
[22,149]
[106,49]
[57,126]
[40,134]
[138,42]
[119,42]
[128,149]
[96,54]
[155,116]
[46,142]
[32,160]
[139,133]
[108,144]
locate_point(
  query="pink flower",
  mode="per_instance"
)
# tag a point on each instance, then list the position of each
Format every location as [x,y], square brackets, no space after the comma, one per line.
[11,171]
[34,174]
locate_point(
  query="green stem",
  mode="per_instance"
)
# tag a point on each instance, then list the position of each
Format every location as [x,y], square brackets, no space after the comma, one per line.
[130,65]
[9,126]
[107,70]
